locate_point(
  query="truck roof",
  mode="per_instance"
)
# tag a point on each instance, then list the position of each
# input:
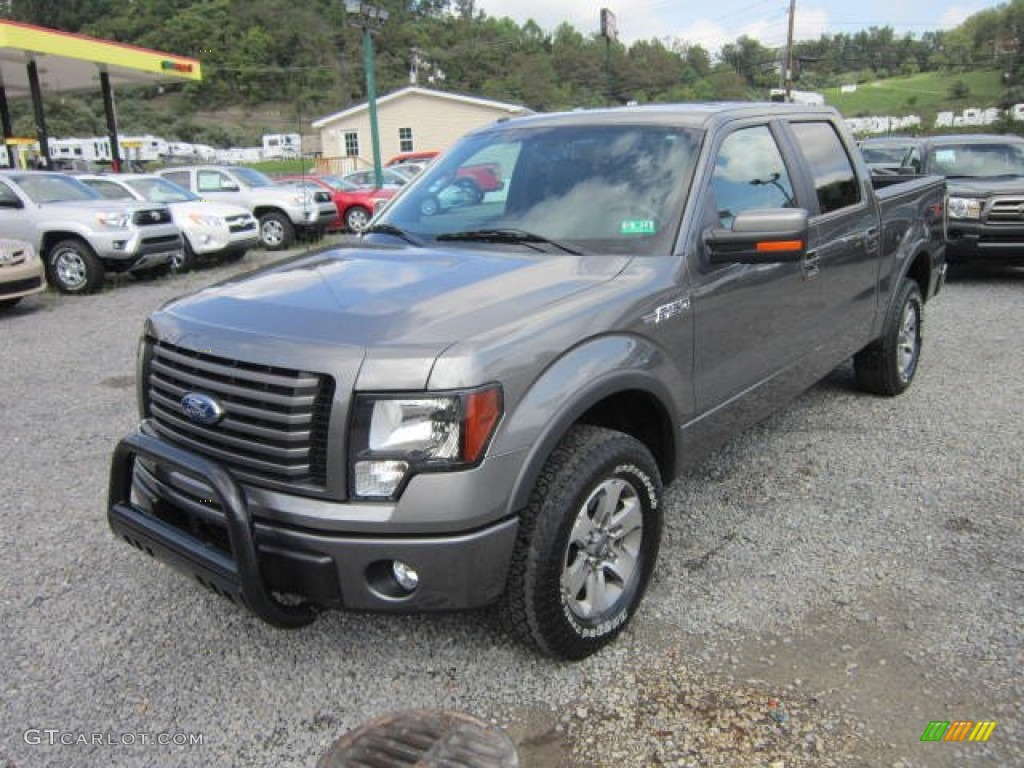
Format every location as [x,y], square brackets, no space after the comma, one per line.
[690,115]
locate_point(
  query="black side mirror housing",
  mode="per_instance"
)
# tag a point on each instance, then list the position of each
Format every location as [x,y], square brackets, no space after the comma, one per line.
[763,236]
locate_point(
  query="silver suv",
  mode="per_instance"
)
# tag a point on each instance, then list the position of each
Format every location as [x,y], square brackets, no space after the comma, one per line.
[79,234]
[281,209]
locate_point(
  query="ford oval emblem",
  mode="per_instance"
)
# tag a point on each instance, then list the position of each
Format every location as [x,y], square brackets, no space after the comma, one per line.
[202,409]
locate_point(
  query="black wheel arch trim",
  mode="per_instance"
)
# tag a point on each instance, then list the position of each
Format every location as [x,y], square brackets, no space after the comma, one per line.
[613,383]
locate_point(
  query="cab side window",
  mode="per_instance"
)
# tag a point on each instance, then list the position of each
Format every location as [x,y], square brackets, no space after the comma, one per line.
[750,173]
[7,197]
[834,179]
[178,177]
[210,181]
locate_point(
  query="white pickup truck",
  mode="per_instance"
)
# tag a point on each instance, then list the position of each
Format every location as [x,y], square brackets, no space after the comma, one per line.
[282,210]
[80,235]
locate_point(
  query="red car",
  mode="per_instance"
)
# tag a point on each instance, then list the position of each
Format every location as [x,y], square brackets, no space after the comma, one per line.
[355,204]
[477,180]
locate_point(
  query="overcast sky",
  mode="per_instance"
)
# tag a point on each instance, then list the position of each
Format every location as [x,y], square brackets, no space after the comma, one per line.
[714,23]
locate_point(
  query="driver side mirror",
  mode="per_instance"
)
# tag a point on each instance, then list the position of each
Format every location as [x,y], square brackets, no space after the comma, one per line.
[228,186]
[760,237]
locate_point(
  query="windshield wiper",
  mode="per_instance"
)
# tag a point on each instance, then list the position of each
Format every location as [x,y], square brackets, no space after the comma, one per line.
[516,236]
[391,229]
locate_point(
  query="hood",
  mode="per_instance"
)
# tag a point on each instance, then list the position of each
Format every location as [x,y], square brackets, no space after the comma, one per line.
[206,209]
[1001,185]
[380,296]
[105,205]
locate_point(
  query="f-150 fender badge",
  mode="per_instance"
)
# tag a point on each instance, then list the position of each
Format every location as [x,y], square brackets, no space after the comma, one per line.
[667,311]
[201,409]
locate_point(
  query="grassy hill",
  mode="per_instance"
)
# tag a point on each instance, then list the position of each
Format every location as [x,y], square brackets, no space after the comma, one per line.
[924,95]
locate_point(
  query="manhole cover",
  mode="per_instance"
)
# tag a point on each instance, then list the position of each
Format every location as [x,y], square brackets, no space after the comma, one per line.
[423,739]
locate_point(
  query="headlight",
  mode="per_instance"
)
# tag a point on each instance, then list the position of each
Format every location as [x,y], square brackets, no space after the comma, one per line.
[115,220]
[964,208]
[205,220]
[395,437]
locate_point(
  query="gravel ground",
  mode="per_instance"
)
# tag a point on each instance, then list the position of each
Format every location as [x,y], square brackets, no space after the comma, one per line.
[829,583]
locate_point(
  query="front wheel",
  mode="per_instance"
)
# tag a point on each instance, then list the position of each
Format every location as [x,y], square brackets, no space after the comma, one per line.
[356,218]
[888,364]
[74,268]
[587,545]
[276,231]
[183,261]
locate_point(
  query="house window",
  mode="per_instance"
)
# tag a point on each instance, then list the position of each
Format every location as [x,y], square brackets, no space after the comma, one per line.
[351,143]
[405,140]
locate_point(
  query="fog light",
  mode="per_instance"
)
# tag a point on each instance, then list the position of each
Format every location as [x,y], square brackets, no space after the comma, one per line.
[406,577]
[379,478]
[207,239]
[119,245]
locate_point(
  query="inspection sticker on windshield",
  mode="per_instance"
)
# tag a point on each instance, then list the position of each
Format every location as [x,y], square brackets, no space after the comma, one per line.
[637,227]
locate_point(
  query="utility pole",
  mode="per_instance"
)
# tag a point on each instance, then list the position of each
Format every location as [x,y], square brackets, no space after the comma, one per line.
[789,52]
[369,18]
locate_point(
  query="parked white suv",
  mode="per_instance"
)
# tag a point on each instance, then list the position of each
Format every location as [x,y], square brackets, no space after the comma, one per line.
[282,210]
[209,229]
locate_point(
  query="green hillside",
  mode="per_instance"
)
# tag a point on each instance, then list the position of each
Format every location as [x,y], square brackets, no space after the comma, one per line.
[925,94]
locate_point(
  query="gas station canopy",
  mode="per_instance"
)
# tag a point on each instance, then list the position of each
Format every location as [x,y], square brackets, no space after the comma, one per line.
[35,59]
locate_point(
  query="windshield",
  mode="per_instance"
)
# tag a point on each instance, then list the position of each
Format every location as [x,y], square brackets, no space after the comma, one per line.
[161,191]
[54,188]
[339,184]
[979,160]
[592,189]
[885,155]
[253,178]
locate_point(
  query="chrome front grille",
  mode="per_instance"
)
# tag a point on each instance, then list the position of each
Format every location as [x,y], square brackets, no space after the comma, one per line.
[274,428]
[1006,209]
[241,223]
[152,216]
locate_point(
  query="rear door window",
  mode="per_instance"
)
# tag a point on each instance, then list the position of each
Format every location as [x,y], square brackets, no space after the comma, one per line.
[835,181]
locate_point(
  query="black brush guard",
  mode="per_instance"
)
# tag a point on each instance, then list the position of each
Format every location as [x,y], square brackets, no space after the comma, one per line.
[236,576]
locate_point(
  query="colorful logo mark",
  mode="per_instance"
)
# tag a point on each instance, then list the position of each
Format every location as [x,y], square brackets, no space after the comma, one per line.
[958,730]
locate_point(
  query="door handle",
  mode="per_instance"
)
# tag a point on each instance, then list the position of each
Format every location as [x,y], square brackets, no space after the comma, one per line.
[811,265]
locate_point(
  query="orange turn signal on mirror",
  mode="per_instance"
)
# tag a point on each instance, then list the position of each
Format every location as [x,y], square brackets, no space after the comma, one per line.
[774,246]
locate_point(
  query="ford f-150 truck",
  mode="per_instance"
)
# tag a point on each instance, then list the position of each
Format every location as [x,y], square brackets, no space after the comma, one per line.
[81,236]
[484,404]
[282,210]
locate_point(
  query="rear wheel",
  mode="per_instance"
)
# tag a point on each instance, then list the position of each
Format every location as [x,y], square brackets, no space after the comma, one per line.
[276,231]
[887,365]
[587,545]
[356,218]
[73,267]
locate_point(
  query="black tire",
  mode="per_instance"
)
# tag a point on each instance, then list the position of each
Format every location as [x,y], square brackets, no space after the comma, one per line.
[471,191]
[356,218]
[553,579]
[72,267]
[276,231]
[887,365]
[429,206]
[184,263]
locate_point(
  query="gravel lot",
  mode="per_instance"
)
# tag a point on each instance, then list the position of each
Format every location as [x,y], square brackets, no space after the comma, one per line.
[830,582]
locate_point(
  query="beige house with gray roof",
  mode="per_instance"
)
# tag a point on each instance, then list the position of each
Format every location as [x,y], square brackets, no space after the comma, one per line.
[412,119]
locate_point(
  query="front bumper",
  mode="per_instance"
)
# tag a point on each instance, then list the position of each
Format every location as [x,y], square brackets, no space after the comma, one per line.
[971,241]
[138,248]
[248,560]
[23,279]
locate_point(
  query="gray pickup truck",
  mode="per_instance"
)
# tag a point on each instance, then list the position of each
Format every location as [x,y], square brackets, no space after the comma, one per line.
[81,236]
[281,209]
[482,403]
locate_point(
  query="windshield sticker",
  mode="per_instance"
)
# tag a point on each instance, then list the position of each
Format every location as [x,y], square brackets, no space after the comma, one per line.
[637,227]
[945,155]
